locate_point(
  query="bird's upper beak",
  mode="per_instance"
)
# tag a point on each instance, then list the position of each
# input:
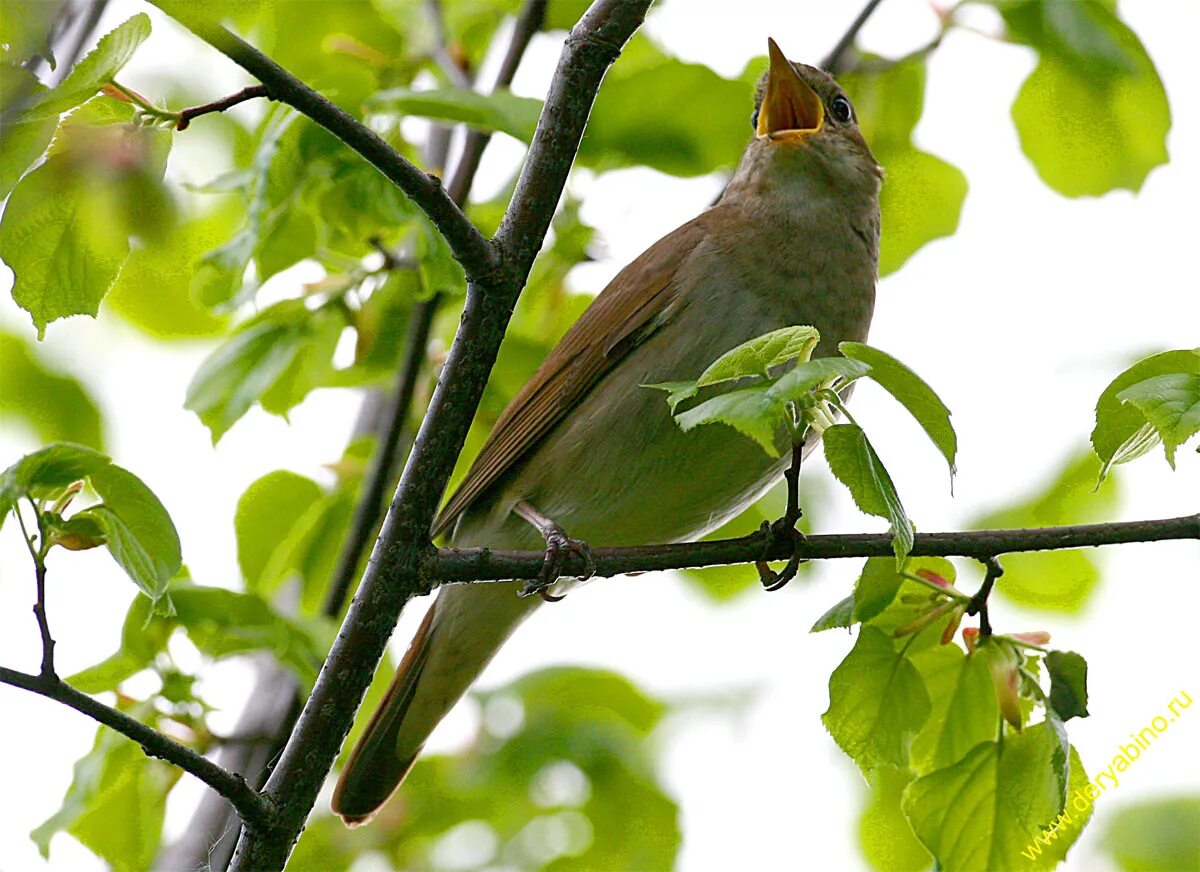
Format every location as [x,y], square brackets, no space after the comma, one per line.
[790,110]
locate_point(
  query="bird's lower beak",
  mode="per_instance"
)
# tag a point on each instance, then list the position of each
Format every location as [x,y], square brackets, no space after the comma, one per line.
[790,108]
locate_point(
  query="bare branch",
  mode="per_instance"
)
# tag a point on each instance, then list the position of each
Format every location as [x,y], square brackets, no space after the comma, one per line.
[483,564]
[468,245]
[250,93]
[833,61]
[252,807]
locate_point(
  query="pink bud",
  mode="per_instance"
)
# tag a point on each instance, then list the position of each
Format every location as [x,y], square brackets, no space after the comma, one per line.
[1036,637]
[970,637]
[931,576]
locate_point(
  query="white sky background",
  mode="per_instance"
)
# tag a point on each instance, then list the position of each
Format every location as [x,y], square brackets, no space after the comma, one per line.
[1019,321]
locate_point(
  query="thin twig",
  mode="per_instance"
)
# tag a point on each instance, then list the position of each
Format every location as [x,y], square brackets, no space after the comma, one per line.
[252,807]
[833,60]
[470,248]
[250,93]
[459,77]
[484,564]
[979,602]
[38,555]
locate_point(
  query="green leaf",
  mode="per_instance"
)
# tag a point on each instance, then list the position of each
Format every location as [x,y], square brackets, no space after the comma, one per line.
[500,110]
[886,839]
[804,377]
[964,711]
[984,812]
[840,614]
[222,623]
[1155,834]
[854,463]
[675,117]
[116,803]
[93,72]
[1094,117]
[54,405]
[1171,404]
[266,513]
[45,474]
[1054,580]
[751,411]
[25,29]
[21,142]
[255,360]
[141,536]
[143,635]
[877,702]
[912,393]
[759,355]
[1122,432]
[1068,684]
[922,197]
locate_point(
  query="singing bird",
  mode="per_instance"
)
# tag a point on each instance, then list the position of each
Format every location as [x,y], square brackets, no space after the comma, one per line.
[586,449]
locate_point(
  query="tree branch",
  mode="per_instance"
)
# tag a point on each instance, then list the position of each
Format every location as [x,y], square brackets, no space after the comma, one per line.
[833,60]
[393,575]
[252,807]
[467,244]
[250,93]
[484,564]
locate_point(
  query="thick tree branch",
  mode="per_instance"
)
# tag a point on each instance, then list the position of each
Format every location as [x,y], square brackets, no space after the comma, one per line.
[252,807]
[393,575]
[468,245]
[483,564]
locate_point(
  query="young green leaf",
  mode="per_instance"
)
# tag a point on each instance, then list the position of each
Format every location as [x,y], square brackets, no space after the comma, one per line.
[840,614]
[266,513]
[877,702]
[1171,404]
[964,711]
[912,393]
[1002,807]
[143,635]
[798,381]
[93,72]
[854,463]
[1068,684]
[500,110]
[751,411]
[45,473]
[759,355]
[1122,431]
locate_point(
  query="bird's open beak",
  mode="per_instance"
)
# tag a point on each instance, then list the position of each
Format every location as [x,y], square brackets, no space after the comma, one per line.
[790,110]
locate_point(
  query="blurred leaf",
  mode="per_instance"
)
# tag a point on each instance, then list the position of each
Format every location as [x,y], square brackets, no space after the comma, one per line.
[93,72]
[500,110]
[922,195]
[886,839]
[675,117]
[143,636]
[854,463]
[877,702]
[1068,684]
[1054,580]
[116,803]
[1155,835]
[1093,115]
[1171,404]
[311,548]
[21,142]
[25,27]
[56,406]
[984,812]
[1122,432]
[153,291]
[911,392]
[266,512]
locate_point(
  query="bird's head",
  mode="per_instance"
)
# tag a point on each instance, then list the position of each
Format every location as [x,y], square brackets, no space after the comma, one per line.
[805,125]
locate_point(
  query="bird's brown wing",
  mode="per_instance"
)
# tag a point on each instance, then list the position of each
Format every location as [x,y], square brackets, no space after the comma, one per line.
[636,300]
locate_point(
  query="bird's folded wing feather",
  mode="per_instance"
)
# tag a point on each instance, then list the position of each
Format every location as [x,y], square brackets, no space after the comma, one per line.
[638,299]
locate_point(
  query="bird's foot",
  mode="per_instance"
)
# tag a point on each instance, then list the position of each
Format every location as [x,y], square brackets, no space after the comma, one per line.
[559,546]
[784,528]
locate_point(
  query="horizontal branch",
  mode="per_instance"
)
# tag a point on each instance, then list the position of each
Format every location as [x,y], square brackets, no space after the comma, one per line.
[252,807]
[468,245]
[485,564]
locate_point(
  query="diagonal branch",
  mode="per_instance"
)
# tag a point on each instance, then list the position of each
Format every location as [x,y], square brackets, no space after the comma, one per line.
[468,245]
[484,564]
[252,807]
[394,574]
[836,57]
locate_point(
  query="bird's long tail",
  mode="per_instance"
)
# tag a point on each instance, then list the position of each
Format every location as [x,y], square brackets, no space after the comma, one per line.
[459,636]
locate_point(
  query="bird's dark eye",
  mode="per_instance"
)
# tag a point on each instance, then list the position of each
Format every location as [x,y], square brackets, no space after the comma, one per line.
[840,109]
[754,120]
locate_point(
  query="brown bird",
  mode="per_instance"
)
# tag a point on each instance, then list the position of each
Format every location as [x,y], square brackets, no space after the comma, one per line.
[584,448]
